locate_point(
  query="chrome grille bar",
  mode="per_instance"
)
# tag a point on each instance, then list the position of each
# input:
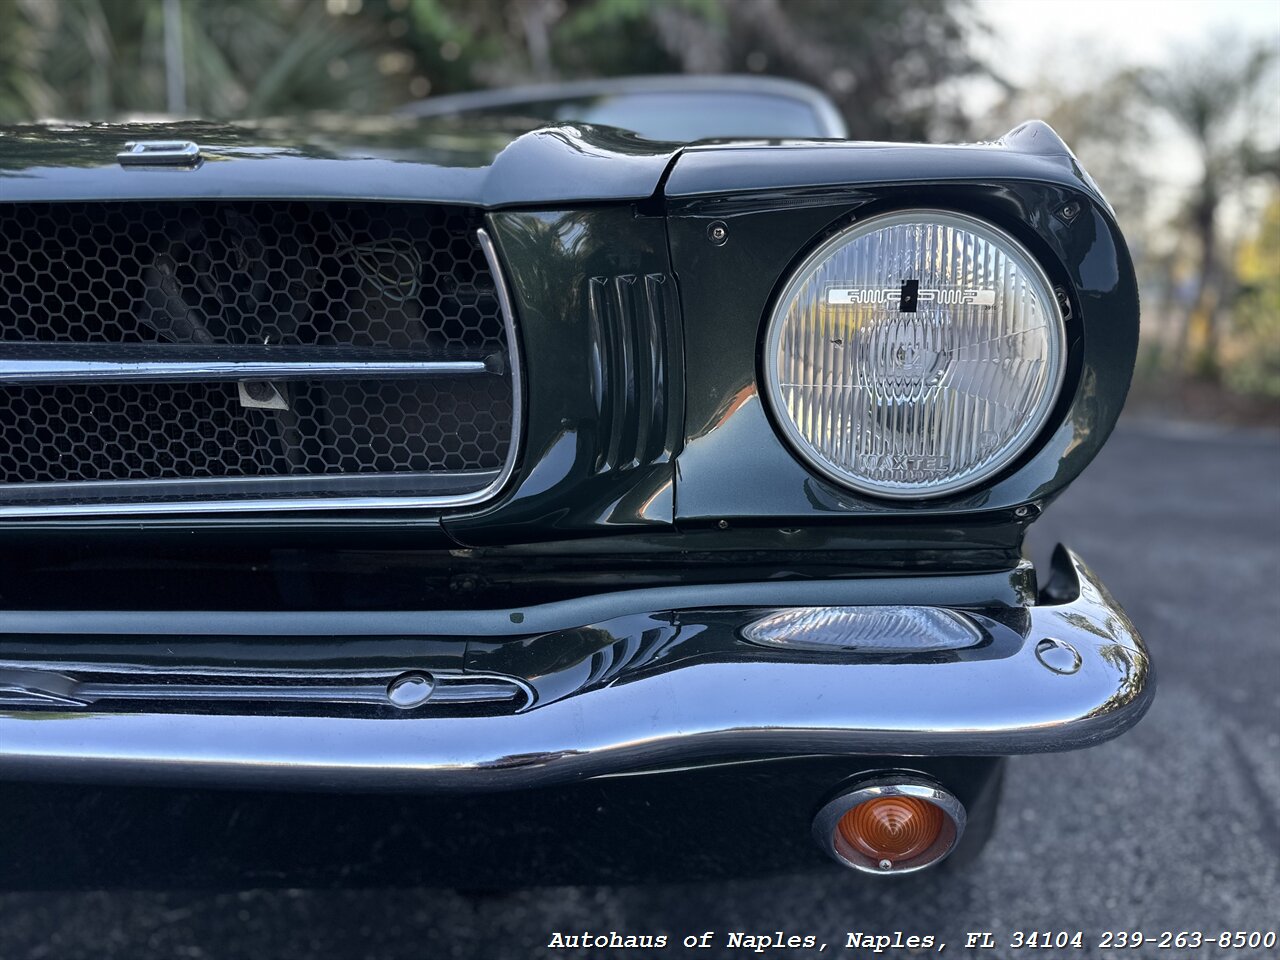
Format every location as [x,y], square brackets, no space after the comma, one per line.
[14,372]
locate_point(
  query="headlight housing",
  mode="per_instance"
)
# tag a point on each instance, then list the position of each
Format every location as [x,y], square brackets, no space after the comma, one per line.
[915,354]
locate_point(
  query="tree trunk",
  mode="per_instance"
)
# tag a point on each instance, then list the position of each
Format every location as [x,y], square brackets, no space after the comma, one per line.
[536,18]
[1198,345]
[698,45]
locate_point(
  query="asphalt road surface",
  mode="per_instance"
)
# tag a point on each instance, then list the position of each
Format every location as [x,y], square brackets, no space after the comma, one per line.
[1175,826]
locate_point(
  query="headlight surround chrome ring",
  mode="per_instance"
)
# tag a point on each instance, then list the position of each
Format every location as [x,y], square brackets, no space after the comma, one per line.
[942,309]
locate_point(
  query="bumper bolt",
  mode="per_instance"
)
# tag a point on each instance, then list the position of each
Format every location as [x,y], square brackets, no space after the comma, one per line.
[410,690]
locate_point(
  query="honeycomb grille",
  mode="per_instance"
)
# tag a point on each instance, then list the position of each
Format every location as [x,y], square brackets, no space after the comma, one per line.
[243,281]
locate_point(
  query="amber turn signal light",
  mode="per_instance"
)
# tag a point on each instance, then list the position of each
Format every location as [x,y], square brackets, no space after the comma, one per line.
[890,826]
[892,829]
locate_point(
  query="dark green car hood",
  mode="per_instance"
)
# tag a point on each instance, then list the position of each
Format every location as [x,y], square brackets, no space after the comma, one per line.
[488,161]
[485,161]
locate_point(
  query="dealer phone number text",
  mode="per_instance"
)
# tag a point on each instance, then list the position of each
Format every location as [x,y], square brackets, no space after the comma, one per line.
[1135,939]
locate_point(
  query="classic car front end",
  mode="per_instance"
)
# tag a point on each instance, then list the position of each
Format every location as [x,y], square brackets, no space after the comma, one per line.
[478,504]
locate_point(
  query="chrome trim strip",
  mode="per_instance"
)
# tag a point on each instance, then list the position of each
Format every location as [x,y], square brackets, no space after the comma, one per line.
[107,489]
[955,589]
[655,713]
[322,503]
[72,687]
[177,153]
[515,359]
[889,785]
[26,373]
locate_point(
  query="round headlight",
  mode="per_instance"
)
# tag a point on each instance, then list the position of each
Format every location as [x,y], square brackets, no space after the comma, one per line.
[915,354]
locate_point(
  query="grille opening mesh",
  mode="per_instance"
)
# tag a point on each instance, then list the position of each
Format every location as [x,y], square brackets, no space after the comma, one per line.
[172,431]
[263,272]
[344,279]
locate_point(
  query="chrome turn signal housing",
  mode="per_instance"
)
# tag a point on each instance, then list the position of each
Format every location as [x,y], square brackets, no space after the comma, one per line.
[890,825]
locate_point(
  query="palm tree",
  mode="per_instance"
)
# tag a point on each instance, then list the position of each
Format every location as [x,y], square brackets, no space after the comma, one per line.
[1209,93]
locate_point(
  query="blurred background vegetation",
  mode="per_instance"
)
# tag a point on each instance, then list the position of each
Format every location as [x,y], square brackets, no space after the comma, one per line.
[1207,242]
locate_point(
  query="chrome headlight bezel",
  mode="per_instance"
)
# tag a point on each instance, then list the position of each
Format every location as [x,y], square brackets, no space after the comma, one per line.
[1005,454]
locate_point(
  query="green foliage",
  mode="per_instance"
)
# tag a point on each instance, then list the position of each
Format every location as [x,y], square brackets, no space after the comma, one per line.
[101,59]
[885,62]
[22,89]
[435,20]
[1253,360]
[587,20]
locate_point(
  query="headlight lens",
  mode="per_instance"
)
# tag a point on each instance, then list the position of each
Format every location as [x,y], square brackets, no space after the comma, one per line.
[915,354]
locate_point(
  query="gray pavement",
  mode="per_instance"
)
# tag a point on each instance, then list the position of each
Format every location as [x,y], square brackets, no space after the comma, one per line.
[1175,826]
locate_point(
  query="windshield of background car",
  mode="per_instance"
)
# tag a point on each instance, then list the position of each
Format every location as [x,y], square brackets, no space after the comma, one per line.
[685,117]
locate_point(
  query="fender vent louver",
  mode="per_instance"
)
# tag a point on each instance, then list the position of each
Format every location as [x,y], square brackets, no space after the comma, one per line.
[250,353]
[629,319]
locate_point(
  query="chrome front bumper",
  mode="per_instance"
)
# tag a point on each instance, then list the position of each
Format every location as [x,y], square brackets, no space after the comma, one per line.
[637,690]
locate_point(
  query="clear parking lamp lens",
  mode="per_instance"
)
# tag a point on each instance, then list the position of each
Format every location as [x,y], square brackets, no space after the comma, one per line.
[872,629]
[915,354]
